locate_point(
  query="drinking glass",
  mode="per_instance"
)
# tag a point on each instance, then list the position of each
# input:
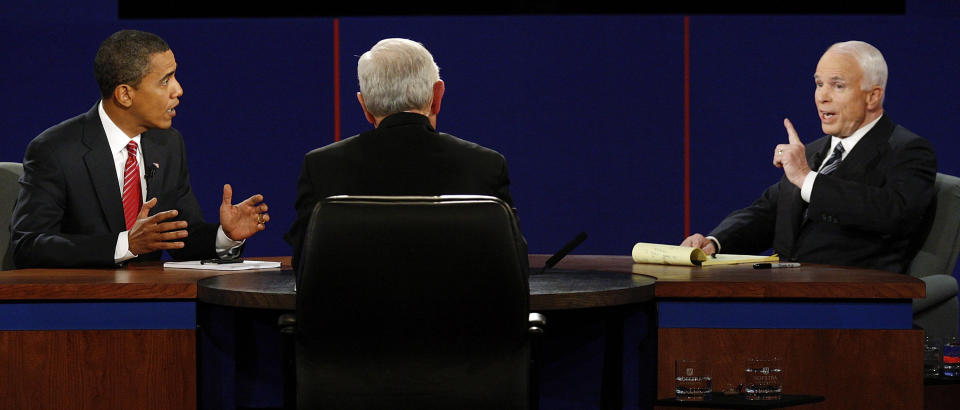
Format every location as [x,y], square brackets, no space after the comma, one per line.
[693,380]
[764,379]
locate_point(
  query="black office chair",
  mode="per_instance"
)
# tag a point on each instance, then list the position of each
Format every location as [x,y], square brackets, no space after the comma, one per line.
[414,303]
[10,173]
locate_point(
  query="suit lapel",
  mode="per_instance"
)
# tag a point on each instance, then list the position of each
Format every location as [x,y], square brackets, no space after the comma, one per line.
[152,158]
[99,162]
[867,150]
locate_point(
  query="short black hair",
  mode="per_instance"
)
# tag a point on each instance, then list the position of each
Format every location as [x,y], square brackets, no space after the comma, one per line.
[124,58]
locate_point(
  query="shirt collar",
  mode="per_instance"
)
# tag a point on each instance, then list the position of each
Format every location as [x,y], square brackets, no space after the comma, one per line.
[853,139]
[117,139]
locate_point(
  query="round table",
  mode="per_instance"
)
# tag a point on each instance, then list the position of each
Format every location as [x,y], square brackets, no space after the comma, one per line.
[552,290]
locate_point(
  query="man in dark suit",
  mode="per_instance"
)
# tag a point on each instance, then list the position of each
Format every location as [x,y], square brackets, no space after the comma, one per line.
[868,199]
[83,194]
[400,93]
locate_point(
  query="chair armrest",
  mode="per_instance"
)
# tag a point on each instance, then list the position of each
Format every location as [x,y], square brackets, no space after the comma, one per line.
[537,323]
[287,323]
[939,289]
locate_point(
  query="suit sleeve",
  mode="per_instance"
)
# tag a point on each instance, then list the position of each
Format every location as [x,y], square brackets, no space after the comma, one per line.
[503,183]
[307,198]
[891,202]
[750,230]
[37,237]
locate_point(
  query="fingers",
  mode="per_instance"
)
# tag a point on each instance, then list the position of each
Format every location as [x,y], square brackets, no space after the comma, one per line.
[227,195]
[167,245]
[791,133]
[146,207]
[694,241]
[256,199]
[171,226]
[708,248]
[778,155]
[162,216]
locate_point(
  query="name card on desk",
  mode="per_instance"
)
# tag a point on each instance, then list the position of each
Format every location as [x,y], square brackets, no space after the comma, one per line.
[245,265]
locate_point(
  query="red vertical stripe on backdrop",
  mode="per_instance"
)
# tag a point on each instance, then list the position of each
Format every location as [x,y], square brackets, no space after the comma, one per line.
[686,126]
[336,79]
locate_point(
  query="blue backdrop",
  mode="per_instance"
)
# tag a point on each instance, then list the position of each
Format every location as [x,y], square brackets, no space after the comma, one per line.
[588,110]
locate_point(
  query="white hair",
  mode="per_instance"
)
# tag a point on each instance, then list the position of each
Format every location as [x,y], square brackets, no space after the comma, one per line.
[397,75]
[871,62]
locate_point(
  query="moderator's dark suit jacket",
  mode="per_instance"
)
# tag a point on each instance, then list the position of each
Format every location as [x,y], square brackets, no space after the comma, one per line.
[70,211]
[873,211]
[403,156]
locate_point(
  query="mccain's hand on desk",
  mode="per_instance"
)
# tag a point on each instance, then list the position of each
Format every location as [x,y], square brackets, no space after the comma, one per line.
[792,157]
[150,234]
[699,241]
[242,220]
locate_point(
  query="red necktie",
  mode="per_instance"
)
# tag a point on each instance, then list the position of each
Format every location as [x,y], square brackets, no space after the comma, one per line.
[132,199]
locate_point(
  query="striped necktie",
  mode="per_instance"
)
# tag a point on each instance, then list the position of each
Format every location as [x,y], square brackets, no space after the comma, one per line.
[834,161]
[132,198]
[831,165]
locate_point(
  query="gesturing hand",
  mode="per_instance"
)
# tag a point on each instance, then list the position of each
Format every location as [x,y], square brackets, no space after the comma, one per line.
[242,220]
[792,157]
[150,234]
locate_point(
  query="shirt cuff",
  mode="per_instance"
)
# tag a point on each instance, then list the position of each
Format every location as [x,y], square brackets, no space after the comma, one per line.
[807,188]
[122,252]
[716,243]
[227,248]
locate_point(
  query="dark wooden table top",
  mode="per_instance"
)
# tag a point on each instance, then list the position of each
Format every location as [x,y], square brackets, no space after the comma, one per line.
[150,281]
[742,281]
[553,290]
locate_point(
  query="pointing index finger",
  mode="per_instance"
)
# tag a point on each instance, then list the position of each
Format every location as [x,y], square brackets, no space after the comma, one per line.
[791,133]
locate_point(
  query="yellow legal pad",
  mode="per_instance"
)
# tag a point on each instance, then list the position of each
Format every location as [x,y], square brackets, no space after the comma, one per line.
[682,255]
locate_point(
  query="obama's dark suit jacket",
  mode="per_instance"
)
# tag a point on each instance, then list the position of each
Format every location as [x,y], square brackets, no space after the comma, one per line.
[69,211]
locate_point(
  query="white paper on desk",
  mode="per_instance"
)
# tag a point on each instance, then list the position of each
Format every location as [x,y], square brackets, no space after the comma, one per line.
[245,265]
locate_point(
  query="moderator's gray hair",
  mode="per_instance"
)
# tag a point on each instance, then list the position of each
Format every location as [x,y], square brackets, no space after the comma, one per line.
[397,75]
[870,60]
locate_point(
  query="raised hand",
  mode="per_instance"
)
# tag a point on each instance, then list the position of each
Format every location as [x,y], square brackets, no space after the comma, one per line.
[792,157]
[242,220]
[150,233]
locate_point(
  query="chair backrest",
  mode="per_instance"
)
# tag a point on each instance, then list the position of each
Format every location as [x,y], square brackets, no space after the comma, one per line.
[938,255]
[10,173]
[413,302]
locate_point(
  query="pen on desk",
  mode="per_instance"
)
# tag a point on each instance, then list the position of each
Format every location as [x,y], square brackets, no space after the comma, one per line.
[220,261]
[776,265]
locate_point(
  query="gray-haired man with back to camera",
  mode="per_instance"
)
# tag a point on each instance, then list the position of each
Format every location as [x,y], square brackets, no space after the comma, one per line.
[860,196]
[400,94]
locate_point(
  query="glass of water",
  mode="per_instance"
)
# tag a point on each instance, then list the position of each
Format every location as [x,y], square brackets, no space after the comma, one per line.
[951,357]
[931,356]
[693,380]
[764,379]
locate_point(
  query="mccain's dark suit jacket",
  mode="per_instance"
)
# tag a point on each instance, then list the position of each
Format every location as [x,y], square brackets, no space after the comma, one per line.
[403,156]
[70,211]
[873,211]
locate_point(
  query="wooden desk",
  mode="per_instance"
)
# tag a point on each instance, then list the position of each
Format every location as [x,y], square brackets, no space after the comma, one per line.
[843,333]
[98,338]
[88,338]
